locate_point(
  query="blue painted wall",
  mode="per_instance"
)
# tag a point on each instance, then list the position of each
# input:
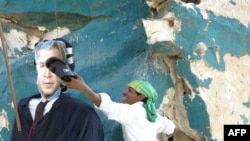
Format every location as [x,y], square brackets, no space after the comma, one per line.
[109,51]
[110,48]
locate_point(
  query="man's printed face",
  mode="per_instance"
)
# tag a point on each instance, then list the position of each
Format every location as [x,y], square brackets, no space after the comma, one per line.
[47,81]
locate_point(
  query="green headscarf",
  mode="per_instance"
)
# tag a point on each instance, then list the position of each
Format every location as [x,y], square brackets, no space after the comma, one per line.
[145,88]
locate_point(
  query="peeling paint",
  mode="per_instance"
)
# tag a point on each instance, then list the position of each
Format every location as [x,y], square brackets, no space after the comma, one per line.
[202,46]
[16,40]
[172,106]
[162,29]
[247,104]
[58,32]
[224,104]
[157,4]
[245,119]
[225,8]
[4,123]
[158,31]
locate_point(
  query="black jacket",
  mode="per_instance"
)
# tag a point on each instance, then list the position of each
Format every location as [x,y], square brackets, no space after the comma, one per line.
[68,120]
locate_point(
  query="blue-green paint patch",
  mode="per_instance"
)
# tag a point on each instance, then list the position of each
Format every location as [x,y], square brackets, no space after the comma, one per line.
[244,119]
[216,32]
[167,48]
[4,132]
[184,71]
[212,60]
[197,115]
[247,103]
[232,2]
[229,40]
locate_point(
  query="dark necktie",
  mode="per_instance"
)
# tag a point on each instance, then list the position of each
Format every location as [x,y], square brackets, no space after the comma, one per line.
[39,112]
[38,116]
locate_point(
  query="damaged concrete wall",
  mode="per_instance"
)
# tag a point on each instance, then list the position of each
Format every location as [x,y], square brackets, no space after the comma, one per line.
[211,74]
[194,52]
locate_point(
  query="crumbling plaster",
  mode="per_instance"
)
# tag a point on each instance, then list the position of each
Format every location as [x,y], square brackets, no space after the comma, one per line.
[172,105]
[18,39]
[222,99]
[237,9]
[4,123]
[226,93]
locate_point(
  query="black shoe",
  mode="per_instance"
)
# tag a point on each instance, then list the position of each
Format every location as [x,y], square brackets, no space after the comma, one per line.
[60,68]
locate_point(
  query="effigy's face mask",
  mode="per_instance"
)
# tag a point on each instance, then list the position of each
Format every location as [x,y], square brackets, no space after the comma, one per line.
[47,81]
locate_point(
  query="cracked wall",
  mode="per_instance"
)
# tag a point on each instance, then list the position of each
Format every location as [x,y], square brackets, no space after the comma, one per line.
[4,123]
[227,92]
[215,78]
[196,55]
